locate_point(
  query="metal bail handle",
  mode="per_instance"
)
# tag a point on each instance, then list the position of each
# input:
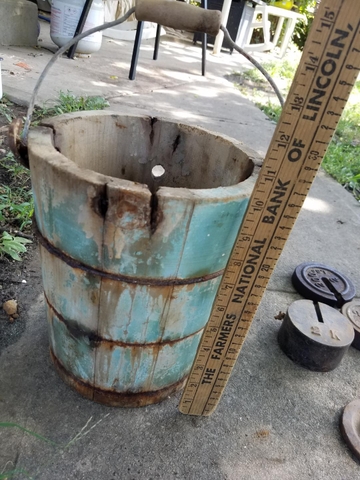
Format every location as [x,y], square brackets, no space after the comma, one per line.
[18,132]
[164,12]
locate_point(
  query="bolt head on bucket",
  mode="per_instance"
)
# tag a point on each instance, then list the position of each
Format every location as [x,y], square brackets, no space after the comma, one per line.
[315,335]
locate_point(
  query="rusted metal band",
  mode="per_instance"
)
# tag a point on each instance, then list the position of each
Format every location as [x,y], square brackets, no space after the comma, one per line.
[157,282]
[95,340]
[113,398]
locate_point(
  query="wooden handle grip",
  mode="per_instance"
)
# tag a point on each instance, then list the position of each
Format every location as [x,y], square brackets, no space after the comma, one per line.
[179,15]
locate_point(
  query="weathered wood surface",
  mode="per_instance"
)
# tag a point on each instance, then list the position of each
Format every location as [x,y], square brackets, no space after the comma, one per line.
[131,263]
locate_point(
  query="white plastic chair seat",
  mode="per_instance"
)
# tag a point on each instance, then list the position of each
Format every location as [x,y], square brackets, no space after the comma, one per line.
[264,23]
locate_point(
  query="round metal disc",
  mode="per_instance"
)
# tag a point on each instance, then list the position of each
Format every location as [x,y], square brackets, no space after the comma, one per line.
[351,310]
[321,283]
[350,426]
[332,329]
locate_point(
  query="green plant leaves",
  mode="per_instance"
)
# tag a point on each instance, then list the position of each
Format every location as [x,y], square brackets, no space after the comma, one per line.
[16,200]
[5,110]
[12,246]
[34,434]
[16,205]
[68,102]
[342,159]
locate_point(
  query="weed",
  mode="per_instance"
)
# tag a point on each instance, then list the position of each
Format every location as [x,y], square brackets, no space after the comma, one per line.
[25,430]
[281,71]
[16,200]
[12,473]
[16,206]
[5,109]
[15,169]
[252,74]
[12,246]
[58,448]
[271,110]
[342,159]
[68,102]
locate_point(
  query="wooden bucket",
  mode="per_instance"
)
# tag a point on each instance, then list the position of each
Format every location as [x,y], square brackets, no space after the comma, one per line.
[131,261]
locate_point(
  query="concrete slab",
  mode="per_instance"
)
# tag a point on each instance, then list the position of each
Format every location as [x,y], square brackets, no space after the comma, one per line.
[18,23]
[276,420]
[172,86]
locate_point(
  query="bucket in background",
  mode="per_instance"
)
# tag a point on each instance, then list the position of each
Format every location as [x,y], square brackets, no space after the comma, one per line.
[137,217]
[65,16]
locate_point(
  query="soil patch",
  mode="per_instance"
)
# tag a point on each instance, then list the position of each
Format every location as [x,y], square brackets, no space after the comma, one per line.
[20,281]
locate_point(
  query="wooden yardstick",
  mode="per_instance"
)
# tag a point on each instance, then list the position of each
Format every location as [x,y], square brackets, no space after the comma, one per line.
[326,74]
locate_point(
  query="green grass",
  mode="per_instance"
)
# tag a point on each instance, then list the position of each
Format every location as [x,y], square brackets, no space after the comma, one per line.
[15,169]
[16,200]
[68,102]
[342,160]
[16,206]
[270,109]
[280,69]
[5,109]
[57,449]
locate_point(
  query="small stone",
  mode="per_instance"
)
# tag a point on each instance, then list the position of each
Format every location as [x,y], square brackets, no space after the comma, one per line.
[23,281]
[280,316]
[10,307]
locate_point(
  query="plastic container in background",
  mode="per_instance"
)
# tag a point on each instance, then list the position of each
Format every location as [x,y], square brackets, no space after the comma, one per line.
[65,15]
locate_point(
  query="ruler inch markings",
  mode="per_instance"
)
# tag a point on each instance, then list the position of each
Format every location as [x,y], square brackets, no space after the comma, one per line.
[300,143]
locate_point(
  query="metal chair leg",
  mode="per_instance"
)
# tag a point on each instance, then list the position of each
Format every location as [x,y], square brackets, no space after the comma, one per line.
[136,50]
[80,26]
[157,42]
[203,55]
[204,4]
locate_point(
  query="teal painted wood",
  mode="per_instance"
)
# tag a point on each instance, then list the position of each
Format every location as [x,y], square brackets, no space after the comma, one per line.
[126,369]
[131,269]
[130,313]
